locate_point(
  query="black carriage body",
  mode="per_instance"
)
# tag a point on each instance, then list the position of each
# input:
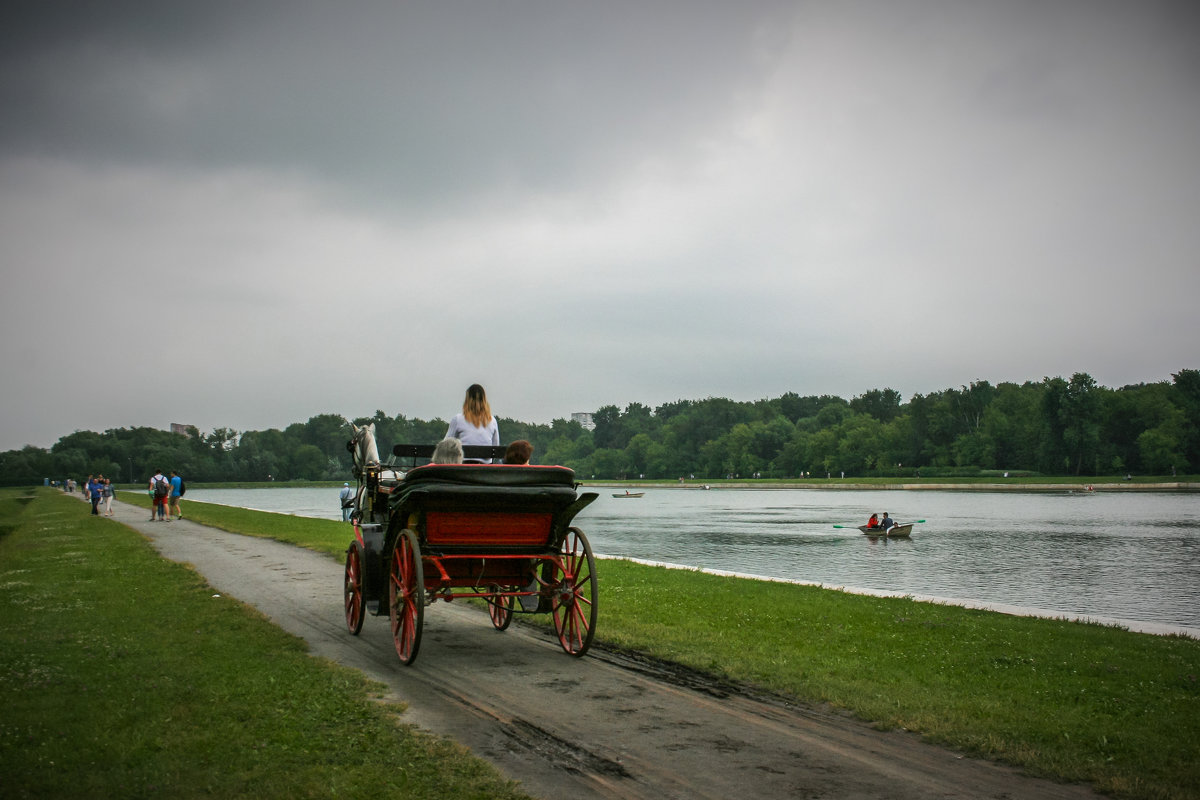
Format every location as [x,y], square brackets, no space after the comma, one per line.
[478,525]
[493,531]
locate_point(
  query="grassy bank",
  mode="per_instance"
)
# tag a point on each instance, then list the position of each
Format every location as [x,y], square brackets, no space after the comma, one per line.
[124,675]
[1069,700]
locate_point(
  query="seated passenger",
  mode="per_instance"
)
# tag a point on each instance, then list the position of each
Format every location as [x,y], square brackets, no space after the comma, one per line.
[448,451]
[873,522]
[519,452]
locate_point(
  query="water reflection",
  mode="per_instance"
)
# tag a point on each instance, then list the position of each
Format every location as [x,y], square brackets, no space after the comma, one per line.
[1125,556]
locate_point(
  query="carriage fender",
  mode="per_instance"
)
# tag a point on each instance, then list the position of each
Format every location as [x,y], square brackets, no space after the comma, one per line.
[568,514]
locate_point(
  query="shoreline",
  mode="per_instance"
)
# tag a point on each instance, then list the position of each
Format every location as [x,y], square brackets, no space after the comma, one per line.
[1135,626]
[1071,488]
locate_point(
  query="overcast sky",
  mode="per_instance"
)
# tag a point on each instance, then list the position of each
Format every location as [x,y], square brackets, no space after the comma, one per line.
[242,214]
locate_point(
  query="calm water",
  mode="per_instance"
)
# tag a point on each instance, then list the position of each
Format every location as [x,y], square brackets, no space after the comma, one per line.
[1121,556]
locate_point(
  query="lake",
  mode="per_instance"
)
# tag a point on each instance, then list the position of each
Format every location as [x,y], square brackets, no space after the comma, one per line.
[1115,556]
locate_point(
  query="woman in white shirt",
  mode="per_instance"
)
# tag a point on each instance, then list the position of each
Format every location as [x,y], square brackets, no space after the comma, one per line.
[475,424]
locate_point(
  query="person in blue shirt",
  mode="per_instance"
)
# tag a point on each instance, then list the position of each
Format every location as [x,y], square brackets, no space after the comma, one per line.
[93,491]
[176,493]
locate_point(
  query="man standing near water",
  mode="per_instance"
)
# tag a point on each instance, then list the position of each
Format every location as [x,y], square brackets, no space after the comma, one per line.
[346,496]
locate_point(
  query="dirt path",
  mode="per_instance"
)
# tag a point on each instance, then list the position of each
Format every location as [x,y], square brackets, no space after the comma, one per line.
[604,726]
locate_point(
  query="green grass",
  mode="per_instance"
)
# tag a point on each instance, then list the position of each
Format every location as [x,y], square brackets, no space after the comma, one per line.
[1074,701]
[124,675]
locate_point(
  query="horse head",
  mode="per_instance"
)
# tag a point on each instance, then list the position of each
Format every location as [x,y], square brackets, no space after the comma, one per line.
[362,445]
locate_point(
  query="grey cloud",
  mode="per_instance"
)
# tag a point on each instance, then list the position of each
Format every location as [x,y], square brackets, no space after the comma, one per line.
[679,199]
[415,103]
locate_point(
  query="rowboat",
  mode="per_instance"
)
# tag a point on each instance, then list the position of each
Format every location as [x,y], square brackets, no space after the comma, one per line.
[629,494]
[891,533]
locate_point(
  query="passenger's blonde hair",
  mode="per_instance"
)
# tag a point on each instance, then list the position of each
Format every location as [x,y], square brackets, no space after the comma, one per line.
[475,406]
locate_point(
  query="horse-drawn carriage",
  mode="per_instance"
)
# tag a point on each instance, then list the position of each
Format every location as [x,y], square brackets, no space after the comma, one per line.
[498,532]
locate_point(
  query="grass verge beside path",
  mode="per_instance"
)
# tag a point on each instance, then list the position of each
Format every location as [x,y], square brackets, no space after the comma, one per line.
[1073,701]
[1069,700]
[321,535]
[124,675]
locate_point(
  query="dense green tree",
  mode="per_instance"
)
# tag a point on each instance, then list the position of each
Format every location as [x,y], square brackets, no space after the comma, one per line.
[637,454]
[1161,447]
[940,423]
[975,449]
[609,463]
[1054,426]
[882,405]
[566,451]
[860,444]
[308,463]
[636,419]
[1053,454]
[1081,420]
[971,402]
[898,448]
[792,460]
[608,432]
[1186,383]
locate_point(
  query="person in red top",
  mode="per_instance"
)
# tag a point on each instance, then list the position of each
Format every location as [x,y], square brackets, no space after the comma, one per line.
[873,522]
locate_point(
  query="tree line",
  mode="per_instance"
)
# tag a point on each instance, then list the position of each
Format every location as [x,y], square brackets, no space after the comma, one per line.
[1055,426]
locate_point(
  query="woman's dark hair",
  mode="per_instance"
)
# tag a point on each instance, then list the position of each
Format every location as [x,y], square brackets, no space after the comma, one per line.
[518,452]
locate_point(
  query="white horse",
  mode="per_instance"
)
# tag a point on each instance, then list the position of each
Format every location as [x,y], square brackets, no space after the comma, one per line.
[362,446]
[366,454]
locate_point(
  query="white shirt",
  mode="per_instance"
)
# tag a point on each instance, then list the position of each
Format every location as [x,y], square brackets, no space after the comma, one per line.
[467,433]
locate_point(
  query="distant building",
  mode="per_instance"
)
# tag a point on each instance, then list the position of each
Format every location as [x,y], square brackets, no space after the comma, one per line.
[180,428]
[584,418]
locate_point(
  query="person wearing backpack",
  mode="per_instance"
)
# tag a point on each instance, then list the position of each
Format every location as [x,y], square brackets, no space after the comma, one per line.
[160,490]
[177,490]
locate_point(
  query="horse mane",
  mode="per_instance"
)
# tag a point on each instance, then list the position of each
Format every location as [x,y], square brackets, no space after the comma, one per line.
[362,445]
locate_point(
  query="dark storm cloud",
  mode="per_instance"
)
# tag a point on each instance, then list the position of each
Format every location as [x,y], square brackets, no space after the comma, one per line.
[333,208]
[412,103]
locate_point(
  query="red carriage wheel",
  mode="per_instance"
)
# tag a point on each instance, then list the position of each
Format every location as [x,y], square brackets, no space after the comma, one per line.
[353,592]
[406,596]
[574,594]
[500,608]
